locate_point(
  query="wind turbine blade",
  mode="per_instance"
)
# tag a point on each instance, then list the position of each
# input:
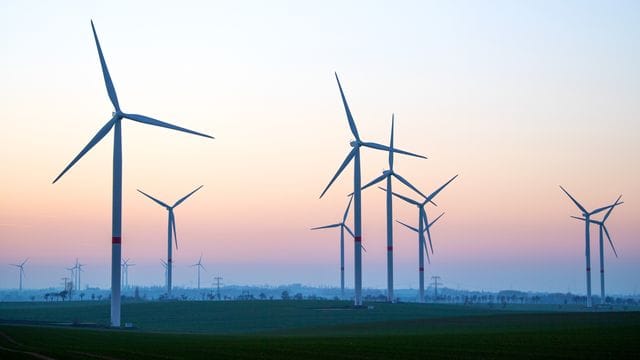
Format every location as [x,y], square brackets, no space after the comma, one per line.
[427,227]
[105,72]
[150,121]
[403,152]
[578,218]
[408,184]
[584,211]
[154,199]
[326,226]
[346,212]
[96,138]
[434,221]
[186,196]
[605,208]
[349,230]
[352,123]
[610,241]
[375,181]
[611,209]
[376,146]
[346,161]
[433,194]
[363,248]
[173,225]
[424,248]
[202,266]
[24,262]
[411,201]
[408,226]
[391,142]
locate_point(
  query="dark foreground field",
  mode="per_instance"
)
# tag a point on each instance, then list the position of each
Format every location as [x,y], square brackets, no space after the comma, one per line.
[323,329]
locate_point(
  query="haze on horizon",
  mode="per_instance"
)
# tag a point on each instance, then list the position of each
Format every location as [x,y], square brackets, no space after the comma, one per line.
[515,97]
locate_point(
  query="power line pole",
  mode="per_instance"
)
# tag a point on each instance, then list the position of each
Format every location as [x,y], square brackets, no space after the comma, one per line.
[218,279]
[435,283]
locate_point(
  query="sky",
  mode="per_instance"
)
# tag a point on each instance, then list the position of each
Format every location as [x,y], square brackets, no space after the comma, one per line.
[516,97]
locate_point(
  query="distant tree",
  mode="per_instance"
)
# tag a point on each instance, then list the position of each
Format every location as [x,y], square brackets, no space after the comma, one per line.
[136,293]
[297,296]
[93,296]
[81,296]
[99,297]
[285,295]
[63,294]
[32,297]
[263,296]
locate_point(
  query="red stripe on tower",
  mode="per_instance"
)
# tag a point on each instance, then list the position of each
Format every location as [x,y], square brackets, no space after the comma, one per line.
[602,271]
[588,269]
[389,248]
[116,240]
[358,239]
[421,269]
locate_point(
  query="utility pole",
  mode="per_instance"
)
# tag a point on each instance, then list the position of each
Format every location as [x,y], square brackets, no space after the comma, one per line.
[218,279]
[435,283]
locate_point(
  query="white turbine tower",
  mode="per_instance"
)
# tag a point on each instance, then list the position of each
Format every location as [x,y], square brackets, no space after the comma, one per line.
[72,274]
[388,174]
[587,238]
[422,221]
[343,226]
[354,155]
[603,231]
[171,231]
[116,211]
[199,266]
[21,271]
[421,247]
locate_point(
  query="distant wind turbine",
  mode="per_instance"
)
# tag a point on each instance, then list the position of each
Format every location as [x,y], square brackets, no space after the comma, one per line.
[164,265]
[422,221]
[171,231]
[115,123]
[21,271]
[587,237]
[343,226]
[421,247]
[199,265]
[603,229]
[354,155]
[125,272]
[388,174]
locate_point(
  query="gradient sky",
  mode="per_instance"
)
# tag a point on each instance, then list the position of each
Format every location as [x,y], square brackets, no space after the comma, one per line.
[516,97]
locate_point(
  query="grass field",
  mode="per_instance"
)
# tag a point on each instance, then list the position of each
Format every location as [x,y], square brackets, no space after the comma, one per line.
[318,329]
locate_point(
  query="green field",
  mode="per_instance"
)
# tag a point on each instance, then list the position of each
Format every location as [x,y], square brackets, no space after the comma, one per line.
[317,329]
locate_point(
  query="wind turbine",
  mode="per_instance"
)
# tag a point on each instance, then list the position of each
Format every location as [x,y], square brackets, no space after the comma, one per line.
[116,209]
[603,229]
[199,265]
[343,226]
[164,265]
[587,237]
[72,273]
[388,174]
[354,155]
[422,221]
[421,247]
[125,272]
[21,271]
[171,230]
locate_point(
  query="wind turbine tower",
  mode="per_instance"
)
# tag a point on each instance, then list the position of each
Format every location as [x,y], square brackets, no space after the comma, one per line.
[21,271]
[171,231]
[343,226]
[199,266]
[354,155]
[603,231]
[116,209]
[587,237]
[388,174]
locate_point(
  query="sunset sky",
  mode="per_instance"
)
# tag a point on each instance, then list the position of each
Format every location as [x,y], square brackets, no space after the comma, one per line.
[515,96]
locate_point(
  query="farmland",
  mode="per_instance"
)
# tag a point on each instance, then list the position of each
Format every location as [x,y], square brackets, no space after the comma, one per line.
[315,329]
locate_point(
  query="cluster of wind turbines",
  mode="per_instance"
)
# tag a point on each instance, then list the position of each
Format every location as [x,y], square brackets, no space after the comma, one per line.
[356,197]
[116,228]
[586,217]
[74,272]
